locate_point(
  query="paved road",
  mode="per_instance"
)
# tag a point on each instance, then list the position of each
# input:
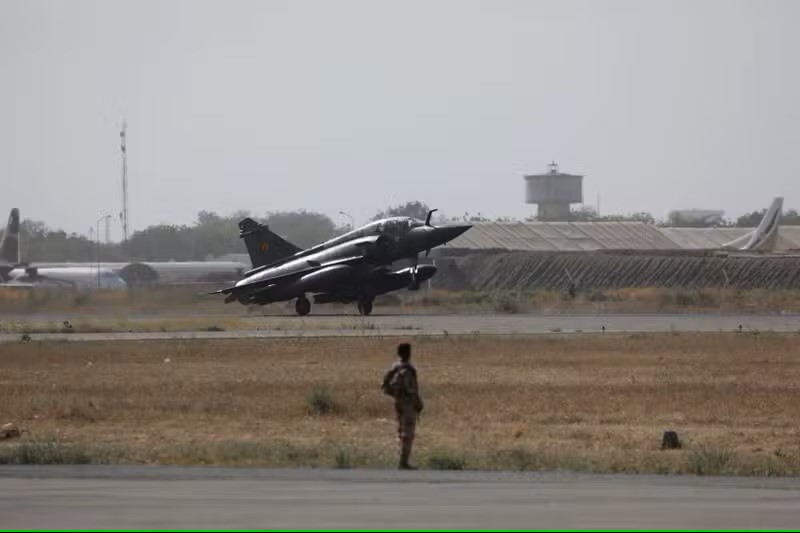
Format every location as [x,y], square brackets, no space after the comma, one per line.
[190,497]
[401,325]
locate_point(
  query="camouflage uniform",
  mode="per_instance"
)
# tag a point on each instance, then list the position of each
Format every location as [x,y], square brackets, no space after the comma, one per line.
[407,405]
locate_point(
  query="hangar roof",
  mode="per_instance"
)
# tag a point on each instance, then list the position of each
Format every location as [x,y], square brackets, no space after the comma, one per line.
[591,236]
[711,238]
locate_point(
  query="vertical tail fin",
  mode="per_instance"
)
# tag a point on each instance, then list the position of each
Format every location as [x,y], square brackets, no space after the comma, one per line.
[765,236]
[264,246]
[9,245]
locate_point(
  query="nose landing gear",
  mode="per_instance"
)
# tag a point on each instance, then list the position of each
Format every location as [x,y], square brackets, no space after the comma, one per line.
[302,306]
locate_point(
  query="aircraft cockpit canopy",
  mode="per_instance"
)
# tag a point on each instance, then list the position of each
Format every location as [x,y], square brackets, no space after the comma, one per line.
[398,226]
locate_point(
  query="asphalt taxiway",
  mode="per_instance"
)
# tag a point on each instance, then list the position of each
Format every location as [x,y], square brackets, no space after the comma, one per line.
[75,497]
[462,324]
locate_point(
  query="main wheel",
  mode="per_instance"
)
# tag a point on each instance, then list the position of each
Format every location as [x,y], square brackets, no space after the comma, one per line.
[302,306]
[365,306]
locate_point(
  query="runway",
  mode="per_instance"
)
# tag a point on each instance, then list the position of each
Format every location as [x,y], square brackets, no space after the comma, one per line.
[462,324]
[75,497]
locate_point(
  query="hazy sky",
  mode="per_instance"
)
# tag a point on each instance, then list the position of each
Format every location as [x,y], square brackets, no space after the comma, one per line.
[355,105]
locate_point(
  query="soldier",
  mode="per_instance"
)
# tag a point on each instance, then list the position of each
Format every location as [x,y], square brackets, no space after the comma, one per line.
[400,382]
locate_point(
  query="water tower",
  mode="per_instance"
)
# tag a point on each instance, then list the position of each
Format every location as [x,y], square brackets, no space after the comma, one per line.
[553,193]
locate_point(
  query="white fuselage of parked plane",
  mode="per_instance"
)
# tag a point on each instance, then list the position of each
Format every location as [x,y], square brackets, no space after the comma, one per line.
[81,277]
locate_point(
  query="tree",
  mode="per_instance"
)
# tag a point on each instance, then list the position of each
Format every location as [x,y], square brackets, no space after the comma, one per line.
[40,243]
[163,242]
[33,229]
[789,217]
[302,228]
[588,214]
[415,209]
[641,216]
[213,235]
[750,220]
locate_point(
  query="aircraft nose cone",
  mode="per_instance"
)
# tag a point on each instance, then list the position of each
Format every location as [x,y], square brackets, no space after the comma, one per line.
[448,233]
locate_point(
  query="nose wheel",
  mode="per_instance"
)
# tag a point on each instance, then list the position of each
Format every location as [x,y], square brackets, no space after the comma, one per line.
[414,285]
[302,306]
[364,306]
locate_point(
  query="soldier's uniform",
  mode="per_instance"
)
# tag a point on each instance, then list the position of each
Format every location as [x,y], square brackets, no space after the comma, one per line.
[400,382]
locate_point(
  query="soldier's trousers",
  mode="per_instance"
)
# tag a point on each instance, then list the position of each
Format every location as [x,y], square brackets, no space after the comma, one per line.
[406,426]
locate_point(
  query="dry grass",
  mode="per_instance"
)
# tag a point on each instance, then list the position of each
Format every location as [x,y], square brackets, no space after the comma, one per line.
[191,299]
[596,403]
[92,301]
[194,300]
[645,299]
[102,324]
[106,325]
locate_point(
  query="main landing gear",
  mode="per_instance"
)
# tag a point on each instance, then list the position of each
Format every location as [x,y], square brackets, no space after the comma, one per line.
[302,306]
[365,306]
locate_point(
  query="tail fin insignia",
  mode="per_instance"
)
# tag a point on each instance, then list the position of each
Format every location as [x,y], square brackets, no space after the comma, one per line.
[264,246]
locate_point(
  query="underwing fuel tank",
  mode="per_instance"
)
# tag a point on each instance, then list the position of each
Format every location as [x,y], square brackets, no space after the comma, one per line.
[315,281]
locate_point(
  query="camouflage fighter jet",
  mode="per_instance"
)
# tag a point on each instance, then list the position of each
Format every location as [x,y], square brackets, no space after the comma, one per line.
[354,267]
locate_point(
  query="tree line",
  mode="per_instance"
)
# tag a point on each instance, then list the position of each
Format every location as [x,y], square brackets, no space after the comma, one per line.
[679,219]
[213,235]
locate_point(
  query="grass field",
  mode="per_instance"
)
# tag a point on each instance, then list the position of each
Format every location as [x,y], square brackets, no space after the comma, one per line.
[586,402]
[194,300]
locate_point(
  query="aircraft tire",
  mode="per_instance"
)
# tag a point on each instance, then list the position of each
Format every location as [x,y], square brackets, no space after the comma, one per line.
[302,306]
[365,306]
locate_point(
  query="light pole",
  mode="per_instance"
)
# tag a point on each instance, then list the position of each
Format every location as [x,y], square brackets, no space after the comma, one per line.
[352,220]
[97,246]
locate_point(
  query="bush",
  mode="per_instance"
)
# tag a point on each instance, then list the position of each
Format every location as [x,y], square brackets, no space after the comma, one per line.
[52,452]
[507,304]
[708,299]
[598,296]
[711,461]
[322,402]
[685,299]
[78,409]
[444,460]
[515,459]
[240,453]
[431,300]
[343,459]
[389,300]
[81,299]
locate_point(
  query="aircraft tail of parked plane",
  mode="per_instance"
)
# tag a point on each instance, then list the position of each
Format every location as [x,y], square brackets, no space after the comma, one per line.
[9,245]
[264,246]
[765,235]
[15,273]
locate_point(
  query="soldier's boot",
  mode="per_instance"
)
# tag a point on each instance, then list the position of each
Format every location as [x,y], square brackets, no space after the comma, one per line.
[405,453]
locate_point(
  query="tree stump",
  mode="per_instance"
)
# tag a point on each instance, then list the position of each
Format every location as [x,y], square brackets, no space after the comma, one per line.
[670,441]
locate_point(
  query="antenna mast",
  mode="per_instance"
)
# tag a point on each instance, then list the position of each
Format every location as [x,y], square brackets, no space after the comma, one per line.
[124,214]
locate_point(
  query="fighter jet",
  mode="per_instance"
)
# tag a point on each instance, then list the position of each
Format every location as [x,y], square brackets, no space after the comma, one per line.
[354,267]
